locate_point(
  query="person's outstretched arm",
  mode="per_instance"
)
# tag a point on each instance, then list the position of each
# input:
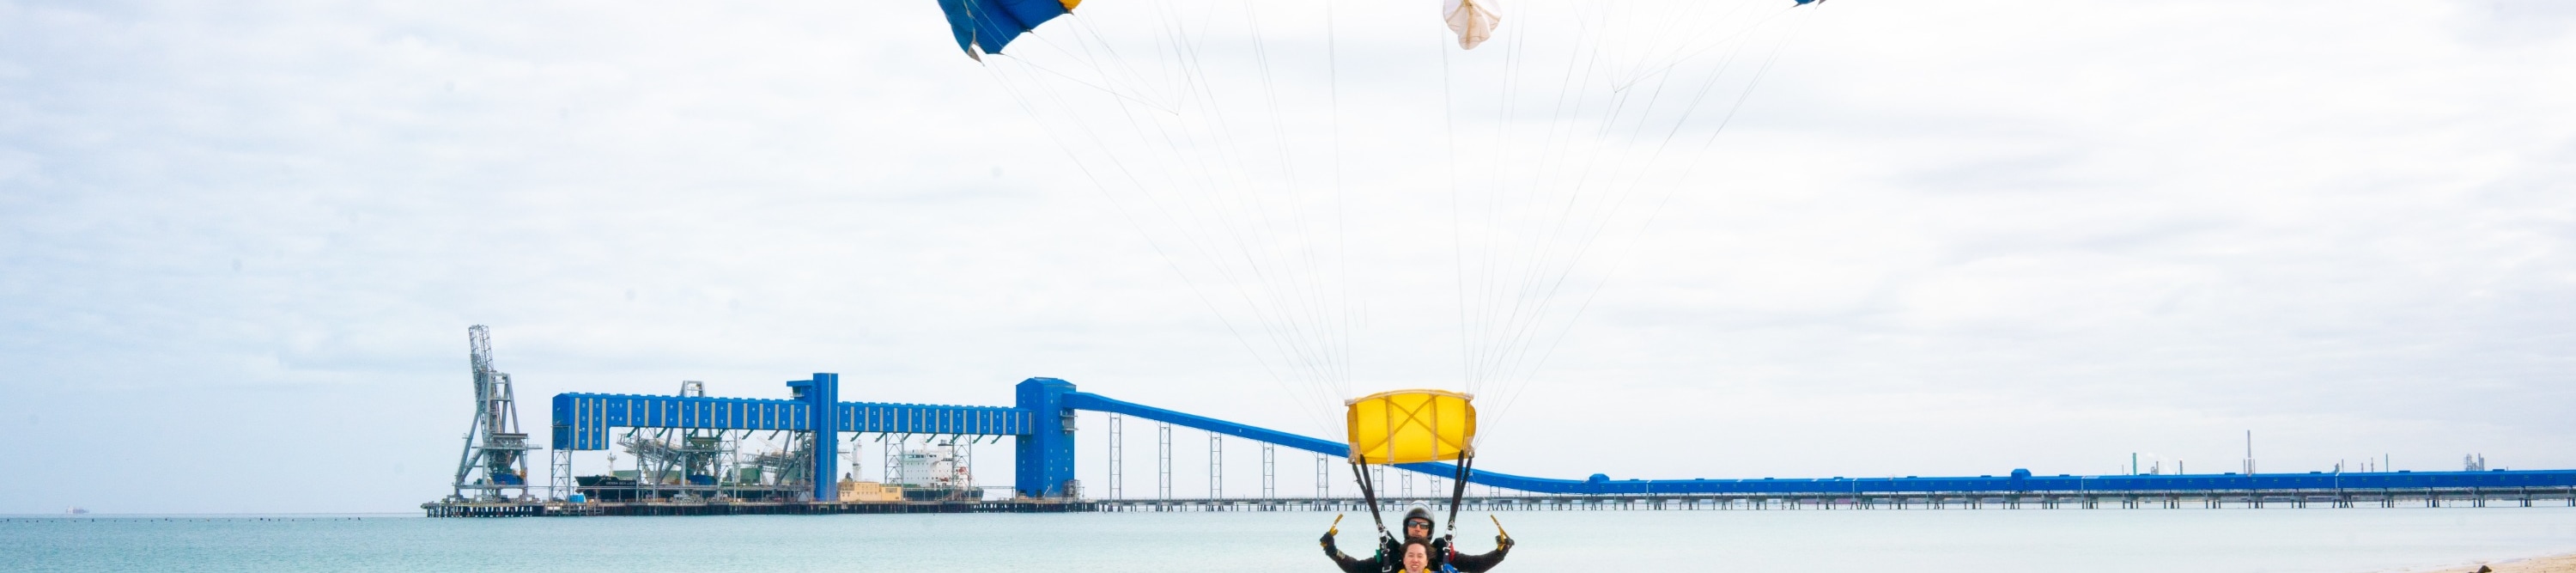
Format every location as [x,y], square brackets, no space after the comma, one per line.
[1343,560]
[1466,563]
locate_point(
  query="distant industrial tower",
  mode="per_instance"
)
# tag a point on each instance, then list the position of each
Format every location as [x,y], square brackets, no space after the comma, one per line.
[495,458]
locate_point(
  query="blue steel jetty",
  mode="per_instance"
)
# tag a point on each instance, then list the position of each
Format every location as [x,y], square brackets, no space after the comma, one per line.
[1041,427]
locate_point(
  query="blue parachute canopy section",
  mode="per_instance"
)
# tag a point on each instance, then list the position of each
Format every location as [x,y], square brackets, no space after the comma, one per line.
[992,24]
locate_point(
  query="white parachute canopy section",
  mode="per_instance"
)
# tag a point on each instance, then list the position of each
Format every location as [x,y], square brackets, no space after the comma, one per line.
[1471,21]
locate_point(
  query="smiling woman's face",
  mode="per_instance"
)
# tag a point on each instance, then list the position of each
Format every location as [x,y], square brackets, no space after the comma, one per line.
[1416,558]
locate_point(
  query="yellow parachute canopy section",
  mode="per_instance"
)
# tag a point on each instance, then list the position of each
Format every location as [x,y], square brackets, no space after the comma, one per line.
[1409,426]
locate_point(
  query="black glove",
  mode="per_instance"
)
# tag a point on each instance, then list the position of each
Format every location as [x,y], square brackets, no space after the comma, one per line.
[1503,543]
[1327,541]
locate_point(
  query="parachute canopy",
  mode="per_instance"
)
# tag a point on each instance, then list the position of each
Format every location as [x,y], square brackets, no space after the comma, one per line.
[1409,426]
[1471,22]
[992,24]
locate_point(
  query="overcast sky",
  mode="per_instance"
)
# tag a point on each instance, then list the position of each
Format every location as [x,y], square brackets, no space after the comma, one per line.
[240,244]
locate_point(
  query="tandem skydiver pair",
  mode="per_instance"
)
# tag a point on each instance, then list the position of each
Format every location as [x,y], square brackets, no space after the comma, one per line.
[1414,427]
[1418,552]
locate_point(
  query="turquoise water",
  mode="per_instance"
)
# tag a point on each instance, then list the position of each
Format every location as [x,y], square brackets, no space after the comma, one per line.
[2107,540]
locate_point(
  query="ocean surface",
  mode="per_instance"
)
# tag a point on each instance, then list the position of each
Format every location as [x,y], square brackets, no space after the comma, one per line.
[2099,540]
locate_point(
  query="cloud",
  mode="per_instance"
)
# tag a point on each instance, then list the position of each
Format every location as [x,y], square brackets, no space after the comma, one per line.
[2078,229]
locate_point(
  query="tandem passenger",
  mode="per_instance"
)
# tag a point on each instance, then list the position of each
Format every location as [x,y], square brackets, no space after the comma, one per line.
[1417,530]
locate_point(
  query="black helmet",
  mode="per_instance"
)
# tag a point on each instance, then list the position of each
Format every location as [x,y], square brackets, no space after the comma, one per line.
[1422,513]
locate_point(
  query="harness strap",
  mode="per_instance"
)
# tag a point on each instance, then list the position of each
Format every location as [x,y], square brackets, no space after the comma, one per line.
[1465,461]
[1368,491]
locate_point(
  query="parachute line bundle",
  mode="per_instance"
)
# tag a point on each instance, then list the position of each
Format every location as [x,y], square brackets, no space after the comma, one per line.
[1295,163]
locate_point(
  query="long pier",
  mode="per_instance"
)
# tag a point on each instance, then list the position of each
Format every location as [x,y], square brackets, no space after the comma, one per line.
[2175,499]
[1041,425]
[570,509]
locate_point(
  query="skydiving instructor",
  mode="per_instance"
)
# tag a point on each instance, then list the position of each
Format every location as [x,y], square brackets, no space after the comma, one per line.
[1417,529]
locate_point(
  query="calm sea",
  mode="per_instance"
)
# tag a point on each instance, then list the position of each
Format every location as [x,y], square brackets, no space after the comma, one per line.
[1983,541]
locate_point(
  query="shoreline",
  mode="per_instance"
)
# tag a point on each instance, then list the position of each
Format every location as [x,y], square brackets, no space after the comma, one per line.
[2559,563]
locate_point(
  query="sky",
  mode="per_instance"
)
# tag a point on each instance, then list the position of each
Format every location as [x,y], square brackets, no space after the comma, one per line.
[240,244]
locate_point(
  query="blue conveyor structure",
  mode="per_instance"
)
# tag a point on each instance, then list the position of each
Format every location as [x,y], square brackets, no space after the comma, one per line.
[1041,423]
[582,421]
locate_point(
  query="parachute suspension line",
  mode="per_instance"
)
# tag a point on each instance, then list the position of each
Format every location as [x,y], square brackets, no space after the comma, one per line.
[1087,83]
[1556,204]
[1279,132]
[1494,320]
[1458,260]
[1692,167]
[1288,344]
[1449,129]
[1546,274]
[1309,406]
[1468,301]
[1179,47]
[1478,310]
[1458,492]
[1286,298]
[1341,217]
[1617,197]
[1670,29]
[1256,287]
[1507,90]
[1078,28]
[1121,208]
[1662,31]
[1086,37]
[1722,40]
[1527,364]
[1503,329]
[1600,193]
[1534,291]
[1168,49]
[1287,301]
[1317,298]
[1134,122]
[1312,348]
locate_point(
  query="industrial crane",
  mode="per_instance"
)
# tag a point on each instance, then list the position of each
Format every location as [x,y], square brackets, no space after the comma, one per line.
[495,457]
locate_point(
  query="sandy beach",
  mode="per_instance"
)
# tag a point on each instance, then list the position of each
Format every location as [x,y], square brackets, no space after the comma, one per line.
[2551,564]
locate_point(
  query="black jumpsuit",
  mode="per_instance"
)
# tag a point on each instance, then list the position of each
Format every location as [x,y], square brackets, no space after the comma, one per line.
[1380,563]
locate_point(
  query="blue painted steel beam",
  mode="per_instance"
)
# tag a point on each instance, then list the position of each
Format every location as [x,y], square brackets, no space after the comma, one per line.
[1098,403]
[582,420]
[2073,484]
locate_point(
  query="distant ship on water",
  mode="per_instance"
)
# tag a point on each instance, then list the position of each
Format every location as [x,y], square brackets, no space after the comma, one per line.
[75,510]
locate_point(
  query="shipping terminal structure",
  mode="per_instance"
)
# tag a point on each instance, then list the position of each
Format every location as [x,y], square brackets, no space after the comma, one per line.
[693,454]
